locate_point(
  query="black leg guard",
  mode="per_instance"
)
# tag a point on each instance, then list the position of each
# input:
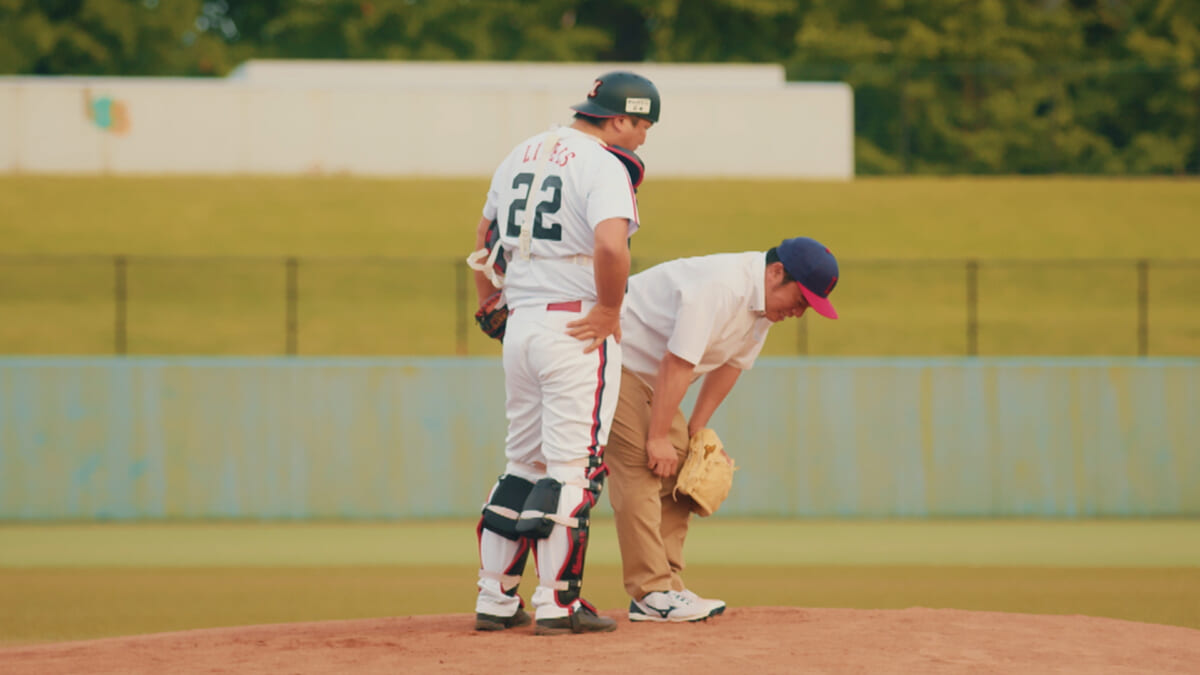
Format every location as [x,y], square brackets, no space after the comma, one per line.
[513,566]
[501,513]
[517,568]
[502,556]
[561,557]
[572,571]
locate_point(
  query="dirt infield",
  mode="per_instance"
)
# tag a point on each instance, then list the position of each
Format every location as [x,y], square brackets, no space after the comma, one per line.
[755,640]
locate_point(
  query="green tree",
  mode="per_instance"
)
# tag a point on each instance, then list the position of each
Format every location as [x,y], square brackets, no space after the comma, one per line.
[1004,86]
[106,37]
[721,31]
[1143,93]
[404,29]
[941,86]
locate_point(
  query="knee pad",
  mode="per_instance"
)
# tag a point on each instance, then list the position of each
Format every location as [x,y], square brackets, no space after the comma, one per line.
[501,513]
[539,513]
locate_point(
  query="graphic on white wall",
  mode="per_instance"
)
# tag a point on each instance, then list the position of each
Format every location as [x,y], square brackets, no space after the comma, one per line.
[106,113]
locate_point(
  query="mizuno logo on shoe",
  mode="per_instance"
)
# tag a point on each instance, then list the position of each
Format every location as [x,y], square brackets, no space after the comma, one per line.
[664,612]
[667,606]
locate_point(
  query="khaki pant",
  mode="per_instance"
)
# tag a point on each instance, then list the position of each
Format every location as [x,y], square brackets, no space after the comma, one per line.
[651,524]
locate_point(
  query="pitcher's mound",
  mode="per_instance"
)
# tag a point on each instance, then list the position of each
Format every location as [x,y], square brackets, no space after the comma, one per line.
[755,640]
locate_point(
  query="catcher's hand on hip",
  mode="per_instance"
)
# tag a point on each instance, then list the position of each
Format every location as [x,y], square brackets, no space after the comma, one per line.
[661,458]
[596,326]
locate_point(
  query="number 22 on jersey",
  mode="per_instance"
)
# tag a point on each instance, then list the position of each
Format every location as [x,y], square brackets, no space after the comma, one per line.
[550,205]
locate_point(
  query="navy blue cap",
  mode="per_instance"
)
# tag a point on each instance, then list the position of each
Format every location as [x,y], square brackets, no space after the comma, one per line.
[815,270]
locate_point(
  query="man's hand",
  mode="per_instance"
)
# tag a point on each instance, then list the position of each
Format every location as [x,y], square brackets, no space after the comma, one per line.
[596,326]
[610,263]
[661,457]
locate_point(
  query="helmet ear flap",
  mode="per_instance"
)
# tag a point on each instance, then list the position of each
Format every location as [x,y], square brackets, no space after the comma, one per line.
[633,164]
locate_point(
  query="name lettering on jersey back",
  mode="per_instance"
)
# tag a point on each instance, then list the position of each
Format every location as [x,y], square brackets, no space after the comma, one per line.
[560,155]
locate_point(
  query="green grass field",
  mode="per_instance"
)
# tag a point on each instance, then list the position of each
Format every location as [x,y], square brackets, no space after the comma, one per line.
[380,261]
[80,581]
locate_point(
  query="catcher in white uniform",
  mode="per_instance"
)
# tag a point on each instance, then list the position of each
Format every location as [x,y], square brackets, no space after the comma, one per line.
[705,316]
[563,205]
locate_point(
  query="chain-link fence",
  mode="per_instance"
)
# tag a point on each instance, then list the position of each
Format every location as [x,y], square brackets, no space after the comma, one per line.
[158,305]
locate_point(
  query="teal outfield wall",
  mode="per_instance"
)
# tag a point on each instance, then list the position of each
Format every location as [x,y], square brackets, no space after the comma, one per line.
[155,438]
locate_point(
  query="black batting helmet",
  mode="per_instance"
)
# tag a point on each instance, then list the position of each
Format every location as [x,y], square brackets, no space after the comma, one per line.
[621,93]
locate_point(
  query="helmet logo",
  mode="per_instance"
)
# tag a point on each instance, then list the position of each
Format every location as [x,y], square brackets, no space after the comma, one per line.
[637,106]
[595,89]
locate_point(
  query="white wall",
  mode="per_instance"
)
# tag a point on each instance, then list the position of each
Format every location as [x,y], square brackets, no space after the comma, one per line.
[427,120]
[573,76]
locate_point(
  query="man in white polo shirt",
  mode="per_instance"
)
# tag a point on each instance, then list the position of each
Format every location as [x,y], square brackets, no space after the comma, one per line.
[686,319]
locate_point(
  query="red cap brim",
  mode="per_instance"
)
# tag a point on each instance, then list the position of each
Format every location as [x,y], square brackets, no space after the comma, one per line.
[821,305]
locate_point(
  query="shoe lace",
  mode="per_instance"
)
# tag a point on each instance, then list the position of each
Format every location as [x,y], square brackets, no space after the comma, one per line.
[680,598]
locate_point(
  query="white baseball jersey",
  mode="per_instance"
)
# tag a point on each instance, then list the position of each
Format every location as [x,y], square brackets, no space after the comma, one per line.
[559,401]
[582,184]
[707,310]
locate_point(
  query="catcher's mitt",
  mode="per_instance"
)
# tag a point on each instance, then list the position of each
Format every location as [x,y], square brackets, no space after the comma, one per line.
[492,316]
[707,473]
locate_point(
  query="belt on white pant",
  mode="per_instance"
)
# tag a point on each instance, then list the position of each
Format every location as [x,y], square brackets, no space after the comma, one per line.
[569,306]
